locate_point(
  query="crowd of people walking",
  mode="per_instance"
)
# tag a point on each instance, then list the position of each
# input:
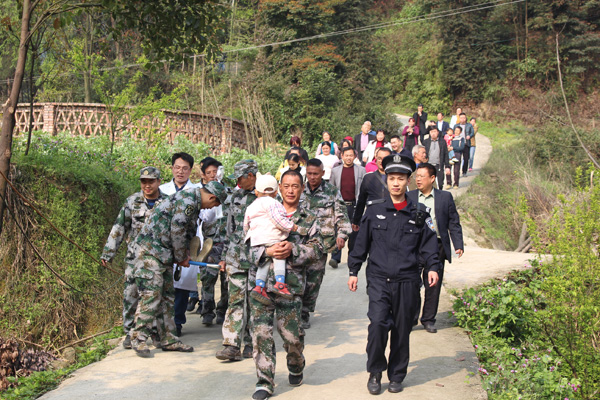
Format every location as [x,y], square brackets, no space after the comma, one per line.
[269,240]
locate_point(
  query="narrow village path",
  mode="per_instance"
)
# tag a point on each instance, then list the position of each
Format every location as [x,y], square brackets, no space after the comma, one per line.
[443,365]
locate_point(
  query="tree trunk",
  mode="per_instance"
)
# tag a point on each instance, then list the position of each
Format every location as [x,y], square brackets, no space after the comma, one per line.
[87,52]
[10,107]
[32,93]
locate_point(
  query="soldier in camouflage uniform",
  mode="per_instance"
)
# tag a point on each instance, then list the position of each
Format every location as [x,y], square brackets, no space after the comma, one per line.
[235,260]
[326,201]
[209,276]
[302,249]
[129,222]
[163,240]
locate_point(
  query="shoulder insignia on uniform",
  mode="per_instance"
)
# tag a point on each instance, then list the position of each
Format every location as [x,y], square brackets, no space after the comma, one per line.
[380,216]
[429,223]
[189,210]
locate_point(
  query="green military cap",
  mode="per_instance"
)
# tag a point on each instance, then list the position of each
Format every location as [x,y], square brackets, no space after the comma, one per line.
[217,189]
[243,167]
[150,173]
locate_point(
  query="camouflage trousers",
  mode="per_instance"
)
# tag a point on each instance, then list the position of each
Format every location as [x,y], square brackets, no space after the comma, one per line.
[287,315]
[236,328]
[156,301]
[209,277]
[312,285]
[130,297]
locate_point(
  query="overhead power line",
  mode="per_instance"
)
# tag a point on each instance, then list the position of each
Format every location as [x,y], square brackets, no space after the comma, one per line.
[389,24]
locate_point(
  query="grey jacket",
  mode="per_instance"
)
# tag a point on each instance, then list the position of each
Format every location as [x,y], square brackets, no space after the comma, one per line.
[336,178]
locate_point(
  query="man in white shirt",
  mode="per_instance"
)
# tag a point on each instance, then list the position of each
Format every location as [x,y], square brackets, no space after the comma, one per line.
[181,166]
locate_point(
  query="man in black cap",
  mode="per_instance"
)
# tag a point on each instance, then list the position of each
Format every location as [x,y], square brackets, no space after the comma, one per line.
[394,234]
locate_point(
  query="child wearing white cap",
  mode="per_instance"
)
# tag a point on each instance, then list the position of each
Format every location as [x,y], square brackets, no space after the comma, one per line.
[266,222]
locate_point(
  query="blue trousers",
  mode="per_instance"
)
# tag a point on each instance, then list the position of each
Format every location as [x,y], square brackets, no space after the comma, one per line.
[181,302]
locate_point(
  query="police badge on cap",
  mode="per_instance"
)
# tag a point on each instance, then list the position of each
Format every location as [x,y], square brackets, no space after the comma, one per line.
[398,163]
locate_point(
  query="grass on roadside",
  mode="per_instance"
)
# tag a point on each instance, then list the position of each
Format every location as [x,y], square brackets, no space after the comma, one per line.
[32,386]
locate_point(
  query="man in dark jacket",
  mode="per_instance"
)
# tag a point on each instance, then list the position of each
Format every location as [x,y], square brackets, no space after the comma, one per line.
[420,118]
[437,151]
[447,226]
[394,235]
[362,139]
[441,124]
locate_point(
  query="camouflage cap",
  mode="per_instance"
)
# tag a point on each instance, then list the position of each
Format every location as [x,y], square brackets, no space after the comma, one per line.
[217,189]
[243,167]
[150,173]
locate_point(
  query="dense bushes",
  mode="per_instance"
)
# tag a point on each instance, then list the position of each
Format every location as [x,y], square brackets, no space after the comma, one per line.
[537,333]
[80,187]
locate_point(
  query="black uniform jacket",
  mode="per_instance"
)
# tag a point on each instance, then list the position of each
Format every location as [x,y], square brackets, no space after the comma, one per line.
[372,188]
[447,219]
[393,242]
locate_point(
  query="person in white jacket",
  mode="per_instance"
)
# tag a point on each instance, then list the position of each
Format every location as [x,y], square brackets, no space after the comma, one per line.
[369,153]
[181,166]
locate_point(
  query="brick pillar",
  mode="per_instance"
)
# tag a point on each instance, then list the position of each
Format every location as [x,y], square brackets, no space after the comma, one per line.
[48,118]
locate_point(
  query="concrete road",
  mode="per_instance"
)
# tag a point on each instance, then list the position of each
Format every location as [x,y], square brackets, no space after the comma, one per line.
[443,365]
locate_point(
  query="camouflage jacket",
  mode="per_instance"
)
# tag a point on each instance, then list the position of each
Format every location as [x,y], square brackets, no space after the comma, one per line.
[235,251]
[327,203]
[170,227]
[129,222]
[307,249]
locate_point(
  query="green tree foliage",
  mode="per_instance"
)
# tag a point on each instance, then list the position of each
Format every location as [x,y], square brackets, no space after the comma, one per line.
[570,312]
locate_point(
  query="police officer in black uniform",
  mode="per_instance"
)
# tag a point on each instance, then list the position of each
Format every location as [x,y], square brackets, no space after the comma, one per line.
[393,232]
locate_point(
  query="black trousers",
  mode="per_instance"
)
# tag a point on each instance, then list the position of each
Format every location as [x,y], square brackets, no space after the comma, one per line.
[432,293]
[466,157]
[337,255]
[440,175]
[392,306]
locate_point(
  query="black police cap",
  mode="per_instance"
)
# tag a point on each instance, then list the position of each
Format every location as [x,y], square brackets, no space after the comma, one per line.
[398,163]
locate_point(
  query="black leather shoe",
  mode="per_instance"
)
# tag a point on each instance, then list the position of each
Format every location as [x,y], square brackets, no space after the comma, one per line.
[261,395]
[430,328]
[374,383]
[395,387]
[295,380]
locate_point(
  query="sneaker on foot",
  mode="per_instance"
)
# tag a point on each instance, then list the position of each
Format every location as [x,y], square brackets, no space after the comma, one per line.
[470,169]
[155,339]
[127,342]
[333,263]
[282,290]
[454,159]
[295,380]
[178,346]
[230,353]
[260,294]
[247,353]
[305,323]
[208,318]
[191,304]
[141,349]
[261,395]
[455,187]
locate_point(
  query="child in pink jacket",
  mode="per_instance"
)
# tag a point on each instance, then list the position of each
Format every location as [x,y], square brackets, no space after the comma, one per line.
[266,222]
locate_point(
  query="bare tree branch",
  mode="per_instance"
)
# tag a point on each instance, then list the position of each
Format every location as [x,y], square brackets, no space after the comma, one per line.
[589,154]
